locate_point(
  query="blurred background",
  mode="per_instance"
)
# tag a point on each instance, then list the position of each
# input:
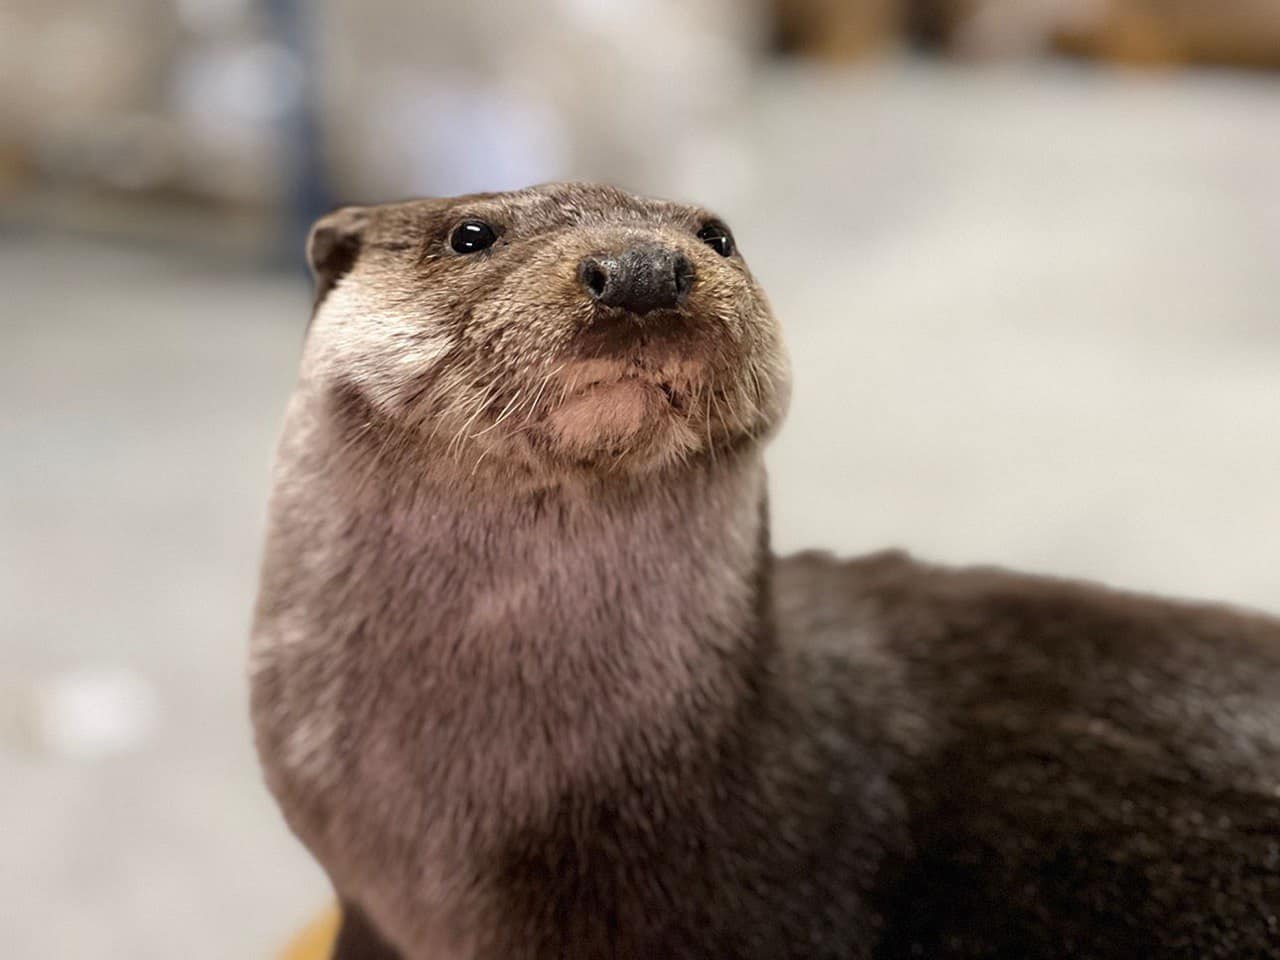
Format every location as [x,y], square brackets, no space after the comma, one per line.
[1026,252]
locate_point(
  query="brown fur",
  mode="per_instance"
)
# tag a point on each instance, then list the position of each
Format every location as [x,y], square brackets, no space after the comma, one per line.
[529,683]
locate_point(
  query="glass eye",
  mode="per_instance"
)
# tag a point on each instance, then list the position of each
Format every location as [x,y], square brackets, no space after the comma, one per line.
[717,236]
[472,236]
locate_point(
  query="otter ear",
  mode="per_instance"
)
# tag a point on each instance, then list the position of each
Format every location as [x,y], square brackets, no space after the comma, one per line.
[334,244]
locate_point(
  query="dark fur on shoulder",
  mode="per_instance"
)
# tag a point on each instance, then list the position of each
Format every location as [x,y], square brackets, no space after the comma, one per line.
[529,683]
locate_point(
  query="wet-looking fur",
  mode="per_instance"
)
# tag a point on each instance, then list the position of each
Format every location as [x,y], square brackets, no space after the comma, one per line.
[529,683]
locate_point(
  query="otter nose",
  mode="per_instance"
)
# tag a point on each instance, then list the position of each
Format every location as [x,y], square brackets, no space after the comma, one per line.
[644,278]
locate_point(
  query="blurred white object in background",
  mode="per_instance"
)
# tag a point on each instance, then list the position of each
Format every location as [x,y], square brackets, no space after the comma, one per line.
[86,714]
[229,99]
[430,134]
[446,99]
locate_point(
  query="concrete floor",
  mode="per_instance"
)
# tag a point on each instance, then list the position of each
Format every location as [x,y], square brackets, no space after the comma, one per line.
[1033,321]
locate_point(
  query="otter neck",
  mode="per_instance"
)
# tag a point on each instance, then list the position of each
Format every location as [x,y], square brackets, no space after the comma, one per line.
[557,631]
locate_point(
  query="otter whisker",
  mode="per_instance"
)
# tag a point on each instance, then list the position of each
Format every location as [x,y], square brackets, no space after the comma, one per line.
[533,404]
[456,443]
[479,460]
[711,447]
[506,412]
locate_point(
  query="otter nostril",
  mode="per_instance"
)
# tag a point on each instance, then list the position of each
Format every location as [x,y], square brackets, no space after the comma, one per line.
[594,278]
[596,281]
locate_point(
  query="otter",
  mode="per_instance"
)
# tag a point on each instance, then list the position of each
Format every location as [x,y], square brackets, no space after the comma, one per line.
[529,683]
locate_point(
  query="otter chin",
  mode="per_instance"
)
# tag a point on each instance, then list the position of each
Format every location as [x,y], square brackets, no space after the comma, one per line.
[610,415]
[621,412]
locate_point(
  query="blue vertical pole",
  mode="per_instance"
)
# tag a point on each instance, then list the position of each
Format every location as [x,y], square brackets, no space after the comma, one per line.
[306,193]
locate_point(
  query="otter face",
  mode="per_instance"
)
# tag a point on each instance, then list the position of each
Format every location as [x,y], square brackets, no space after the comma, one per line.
[560,328]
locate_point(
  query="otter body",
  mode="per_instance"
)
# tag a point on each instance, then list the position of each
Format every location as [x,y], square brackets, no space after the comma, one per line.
[529,683]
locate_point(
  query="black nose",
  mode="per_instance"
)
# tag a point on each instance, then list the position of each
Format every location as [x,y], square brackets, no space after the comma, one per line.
[651,277]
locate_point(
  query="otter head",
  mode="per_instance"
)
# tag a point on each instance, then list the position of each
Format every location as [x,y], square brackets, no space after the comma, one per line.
[554,330]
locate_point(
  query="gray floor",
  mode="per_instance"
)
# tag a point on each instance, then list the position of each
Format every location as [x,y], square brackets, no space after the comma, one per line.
[1033,319]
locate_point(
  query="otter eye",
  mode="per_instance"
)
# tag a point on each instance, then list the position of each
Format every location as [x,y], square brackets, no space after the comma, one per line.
[471,236]
[717,236]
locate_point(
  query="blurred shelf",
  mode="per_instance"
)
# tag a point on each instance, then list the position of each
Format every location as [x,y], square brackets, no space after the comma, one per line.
[177,224]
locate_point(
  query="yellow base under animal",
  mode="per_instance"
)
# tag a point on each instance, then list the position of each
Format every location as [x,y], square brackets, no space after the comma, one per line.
[315,942]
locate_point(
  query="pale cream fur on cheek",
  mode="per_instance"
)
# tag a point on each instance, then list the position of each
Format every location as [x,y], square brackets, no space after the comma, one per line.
[356,336]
